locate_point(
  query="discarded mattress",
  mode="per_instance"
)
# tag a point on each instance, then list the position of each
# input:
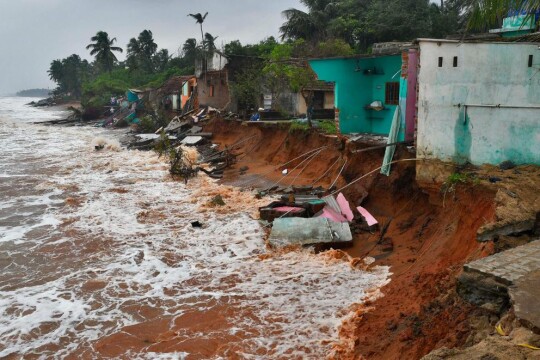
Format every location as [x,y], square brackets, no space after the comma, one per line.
[310,231]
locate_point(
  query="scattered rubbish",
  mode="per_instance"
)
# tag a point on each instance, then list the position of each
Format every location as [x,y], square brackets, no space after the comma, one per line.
[308,231]
[371,221]
[494,179]
[196,224]
[285,172]
[345,207]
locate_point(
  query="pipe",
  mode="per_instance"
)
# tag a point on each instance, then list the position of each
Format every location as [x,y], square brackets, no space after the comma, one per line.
[381,146]
[498,106]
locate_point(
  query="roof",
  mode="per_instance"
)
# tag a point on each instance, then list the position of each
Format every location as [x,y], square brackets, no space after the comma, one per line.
[322,86]
[391,48]
[174,83]
[356,56]
[533,38]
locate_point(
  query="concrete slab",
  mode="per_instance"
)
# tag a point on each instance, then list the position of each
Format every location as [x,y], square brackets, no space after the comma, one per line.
[509,266]
[525,297]
[308,231]
[488,280]
[191,140]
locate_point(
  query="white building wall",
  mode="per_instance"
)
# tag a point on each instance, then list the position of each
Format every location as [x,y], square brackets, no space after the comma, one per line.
[486,74]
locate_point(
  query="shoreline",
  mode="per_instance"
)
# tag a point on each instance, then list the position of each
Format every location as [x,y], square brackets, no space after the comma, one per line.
[420,244]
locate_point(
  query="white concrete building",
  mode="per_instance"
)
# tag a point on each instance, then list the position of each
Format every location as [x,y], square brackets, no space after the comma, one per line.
[479,101]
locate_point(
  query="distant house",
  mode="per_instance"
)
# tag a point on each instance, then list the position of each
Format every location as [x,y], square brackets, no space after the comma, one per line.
[218,72]
[213,81]
[479,101]
[369,89]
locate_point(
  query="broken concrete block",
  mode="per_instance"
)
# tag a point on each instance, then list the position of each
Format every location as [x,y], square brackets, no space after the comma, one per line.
[311,231]
[191,140]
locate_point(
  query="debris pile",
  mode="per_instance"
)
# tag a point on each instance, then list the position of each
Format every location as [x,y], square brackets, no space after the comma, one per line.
[304,216]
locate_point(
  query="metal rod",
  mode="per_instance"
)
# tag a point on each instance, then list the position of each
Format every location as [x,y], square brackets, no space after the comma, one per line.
[327,171]
[372,172]
[296,167]
[304,168]
[339,174]
[281,165]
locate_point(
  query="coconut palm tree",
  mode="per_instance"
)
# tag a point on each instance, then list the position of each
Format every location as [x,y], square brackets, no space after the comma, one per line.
[210,42]
[102,47]
[310,25]
[141,51]
[200,19]
[483,13]
[56,71]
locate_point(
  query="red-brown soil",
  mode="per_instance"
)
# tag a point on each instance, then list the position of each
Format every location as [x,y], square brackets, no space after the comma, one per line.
[425,244]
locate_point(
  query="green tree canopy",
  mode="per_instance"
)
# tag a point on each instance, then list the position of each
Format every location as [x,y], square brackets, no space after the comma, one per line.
[70,74]
[142,54]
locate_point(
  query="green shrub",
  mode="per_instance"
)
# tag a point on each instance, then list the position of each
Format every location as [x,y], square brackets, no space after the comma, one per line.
[328,127]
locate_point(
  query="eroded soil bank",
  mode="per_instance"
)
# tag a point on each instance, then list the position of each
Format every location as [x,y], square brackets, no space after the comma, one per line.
[428,236]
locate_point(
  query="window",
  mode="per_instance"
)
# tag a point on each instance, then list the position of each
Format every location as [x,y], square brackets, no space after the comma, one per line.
[455,61]
[530,60]
[392,93]
[212,91]
[440,61]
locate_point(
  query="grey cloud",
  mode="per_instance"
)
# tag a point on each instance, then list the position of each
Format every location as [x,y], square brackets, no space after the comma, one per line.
[35,32]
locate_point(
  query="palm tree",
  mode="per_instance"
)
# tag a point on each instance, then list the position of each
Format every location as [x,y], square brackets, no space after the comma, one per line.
[141,51]
[102,47]
[200,19]
[483,13]
[310,25]
[56,71]
[210,42]
[147,44]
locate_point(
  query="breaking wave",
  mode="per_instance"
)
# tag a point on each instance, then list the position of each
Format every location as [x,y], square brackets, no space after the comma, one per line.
[98,256]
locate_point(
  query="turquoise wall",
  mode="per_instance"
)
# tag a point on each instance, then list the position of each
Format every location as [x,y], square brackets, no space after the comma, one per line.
[355,90]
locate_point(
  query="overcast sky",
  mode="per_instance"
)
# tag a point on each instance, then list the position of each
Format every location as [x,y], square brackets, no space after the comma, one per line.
[35,32]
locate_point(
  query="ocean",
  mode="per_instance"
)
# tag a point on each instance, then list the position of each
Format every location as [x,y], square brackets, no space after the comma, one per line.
[98,259]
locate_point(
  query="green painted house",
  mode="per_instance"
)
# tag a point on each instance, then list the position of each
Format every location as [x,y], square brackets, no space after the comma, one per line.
[369,89]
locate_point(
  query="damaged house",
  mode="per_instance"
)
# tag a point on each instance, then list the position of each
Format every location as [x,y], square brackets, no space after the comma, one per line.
[371,89]
[213,81]
[217,75]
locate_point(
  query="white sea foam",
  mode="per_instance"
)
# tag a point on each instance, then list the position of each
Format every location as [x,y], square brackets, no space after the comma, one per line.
[129,232]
